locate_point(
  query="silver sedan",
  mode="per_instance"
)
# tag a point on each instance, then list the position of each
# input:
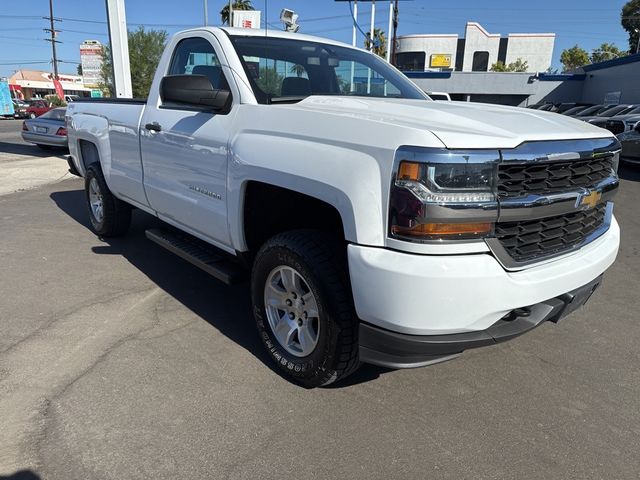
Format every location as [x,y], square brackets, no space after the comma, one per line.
[47,130]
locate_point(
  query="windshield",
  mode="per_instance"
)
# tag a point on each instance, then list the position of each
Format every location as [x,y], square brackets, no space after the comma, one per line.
[574,110]
[592,110]
[614,111]
[286,70]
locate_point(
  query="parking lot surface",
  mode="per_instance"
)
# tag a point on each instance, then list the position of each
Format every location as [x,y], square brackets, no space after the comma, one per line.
[119,360]
[23,165]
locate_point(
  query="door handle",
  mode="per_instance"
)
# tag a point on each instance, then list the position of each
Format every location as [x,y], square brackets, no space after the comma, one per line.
[153,126]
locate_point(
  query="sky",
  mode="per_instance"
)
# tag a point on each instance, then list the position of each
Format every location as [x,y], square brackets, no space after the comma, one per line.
[587,23]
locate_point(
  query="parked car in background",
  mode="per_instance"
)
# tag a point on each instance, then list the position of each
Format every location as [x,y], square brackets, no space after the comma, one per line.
[440,96]
[38,107]
[538,106]
[630,145]
[70,98]
[46,131]
[619,123]
[20,109]
[563,107]
[609,112]
[573,111]
[590,111]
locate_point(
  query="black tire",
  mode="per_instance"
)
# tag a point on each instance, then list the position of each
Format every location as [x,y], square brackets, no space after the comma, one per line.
[116,214]
[43,147]
[321,261]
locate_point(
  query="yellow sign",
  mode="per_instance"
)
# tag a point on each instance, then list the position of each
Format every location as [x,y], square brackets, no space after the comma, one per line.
[591,200]
[442,60]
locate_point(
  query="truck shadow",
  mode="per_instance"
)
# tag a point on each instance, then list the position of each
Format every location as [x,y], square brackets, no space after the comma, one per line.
[227,308]
[22,475]
[628,171]
[29,150]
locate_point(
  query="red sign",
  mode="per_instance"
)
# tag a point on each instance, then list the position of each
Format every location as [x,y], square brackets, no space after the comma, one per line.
[59,91]
[17,91]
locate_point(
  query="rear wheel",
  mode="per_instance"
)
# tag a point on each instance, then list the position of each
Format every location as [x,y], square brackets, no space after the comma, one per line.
[303,307]
[110,216]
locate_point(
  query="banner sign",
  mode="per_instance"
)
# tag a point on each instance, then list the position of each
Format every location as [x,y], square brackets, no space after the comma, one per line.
[6,105]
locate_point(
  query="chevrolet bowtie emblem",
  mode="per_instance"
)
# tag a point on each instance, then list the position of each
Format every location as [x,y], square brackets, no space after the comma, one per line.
[590,200]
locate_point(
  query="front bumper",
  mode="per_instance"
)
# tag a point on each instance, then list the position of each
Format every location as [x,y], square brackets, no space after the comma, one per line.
[450,294]
[397,350]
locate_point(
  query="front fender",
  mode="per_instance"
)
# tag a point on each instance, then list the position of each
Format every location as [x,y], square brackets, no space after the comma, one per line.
[347,179]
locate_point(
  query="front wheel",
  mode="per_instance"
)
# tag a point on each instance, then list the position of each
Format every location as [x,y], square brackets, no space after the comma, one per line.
[303,307]
[110,216]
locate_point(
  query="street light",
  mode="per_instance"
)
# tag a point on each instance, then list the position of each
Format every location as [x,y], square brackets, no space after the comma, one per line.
[638,43]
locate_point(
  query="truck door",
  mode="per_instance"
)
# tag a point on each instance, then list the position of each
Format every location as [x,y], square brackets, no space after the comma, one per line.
[184,152]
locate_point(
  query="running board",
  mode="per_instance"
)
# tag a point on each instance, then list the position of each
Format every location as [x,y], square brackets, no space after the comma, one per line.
[200,254]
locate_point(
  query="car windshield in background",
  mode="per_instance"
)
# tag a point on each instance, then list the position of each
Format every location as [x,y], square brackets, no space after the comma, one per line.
[285,70]
[592,111]
[55,114]
[617,110]
[574,110]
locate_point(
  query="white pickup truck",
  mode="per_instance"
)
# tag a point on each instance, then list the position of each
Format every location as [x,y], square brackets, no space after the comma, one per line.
[375,225]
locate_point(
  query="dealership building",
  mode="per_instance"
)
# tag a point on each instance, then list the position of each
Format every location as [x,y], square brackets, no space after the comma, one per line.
[476,52]
[613,81]
[28,84]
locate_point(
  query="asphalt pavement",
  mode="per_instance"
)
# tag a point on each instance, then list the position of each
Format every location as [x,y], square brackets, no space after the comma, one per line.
[119,360]
[24,165]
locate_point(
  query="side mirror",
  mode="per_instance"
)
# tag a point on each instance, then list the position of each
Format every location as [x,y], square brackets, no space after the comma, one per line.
[637,127]
[193,91]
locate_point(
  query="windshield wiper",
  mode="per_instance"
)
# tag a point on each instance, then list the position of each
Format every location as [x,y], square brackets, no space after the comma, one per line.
[291,99]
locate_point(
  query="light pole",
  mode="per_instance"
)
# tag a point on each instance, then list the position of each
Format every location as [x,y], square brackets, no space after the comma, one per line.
[638,42]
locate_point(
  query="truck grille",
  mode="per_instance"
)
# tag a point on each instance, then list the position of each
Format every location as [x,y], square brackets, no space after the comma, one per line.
[532,178]
[526,240]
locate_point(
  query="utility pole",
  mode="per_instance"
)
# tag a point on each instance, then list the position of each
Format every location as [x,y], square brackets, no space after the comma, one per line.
[206,13]
[52,30]
[395,31]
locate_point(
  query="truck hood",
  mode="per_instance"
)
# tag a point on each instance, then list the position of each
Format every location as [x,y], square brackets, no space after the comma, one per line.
[460,124]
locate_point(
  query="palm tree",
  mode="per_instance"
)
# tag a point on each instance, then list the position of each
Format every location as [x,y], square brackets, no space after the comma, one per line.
[237,5]
[297,69]
[379,42]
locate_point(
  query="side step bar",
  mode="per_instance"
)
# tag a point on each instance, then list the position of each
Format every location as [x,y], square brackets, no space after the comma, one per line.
[200,254]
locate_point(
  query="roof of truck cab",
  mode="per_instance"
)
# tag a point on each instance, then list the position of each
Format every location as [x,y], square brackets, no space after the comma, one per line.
[255,32]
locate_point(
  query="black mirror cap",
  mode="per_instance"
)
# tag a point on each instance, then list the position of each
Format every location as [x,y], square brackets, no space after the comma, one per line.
[194,91]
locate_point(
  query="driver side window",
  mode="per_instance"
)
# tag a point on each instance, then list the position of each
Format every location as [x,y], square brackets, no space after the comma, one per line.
[196,56]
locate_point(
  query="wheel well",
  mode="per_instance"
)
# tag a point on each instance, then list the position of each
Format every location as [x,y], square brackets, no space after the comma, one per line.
[269,210]
[88,153]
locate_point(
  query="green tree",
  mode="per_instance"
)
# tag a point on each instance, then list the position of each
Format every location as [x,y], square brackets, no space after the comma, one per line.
[237,5]
[379,42]
[518,66]
[270,81]
[145,49]
[79,69]
[574,57]
[606,51]
[298,69]
[630,20]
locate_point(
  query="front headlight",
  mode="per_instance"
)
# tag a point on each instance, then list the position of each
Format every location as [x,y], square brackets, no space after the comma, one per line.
[443,194]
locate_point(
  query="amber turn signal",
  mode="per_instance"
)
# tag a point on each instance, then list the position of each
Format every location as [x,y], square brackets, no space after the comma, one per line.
[443,229]
[409,171]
